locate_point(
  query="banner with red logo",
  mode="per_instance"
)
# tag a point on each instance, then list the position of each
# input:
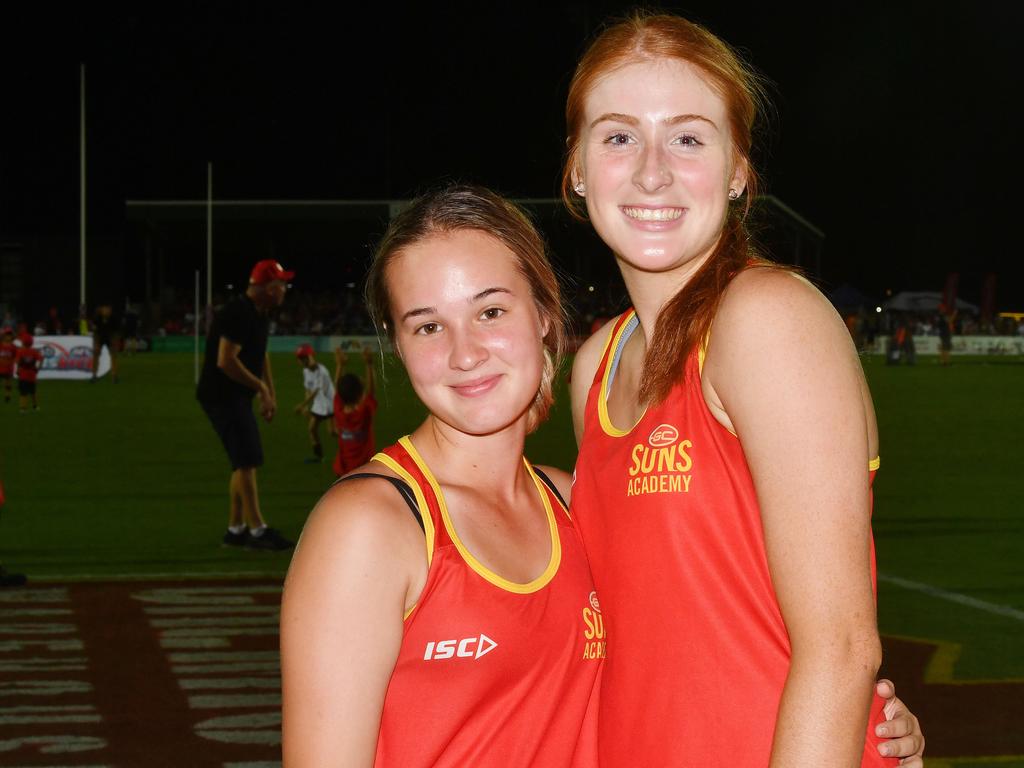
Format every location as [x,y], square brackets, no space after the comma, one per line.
[68,357]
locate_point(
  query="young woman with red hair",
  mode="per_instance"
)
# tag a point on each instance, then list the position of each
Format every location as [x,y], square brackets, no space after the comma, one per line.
[727,435]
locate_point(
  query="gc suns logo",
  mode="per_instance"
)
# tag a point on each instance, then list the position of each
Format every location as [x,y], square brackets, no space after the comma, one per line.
[663,435]
[595,645]
[662,464]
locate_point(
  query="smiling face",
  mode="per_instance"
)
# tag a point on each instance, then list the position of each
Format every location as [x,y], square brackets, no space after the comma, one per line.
[467,329]
[656,162]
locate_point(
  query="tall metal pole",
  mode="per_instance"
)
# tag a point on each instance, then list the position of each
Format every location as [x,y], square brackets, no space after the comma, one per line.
[209,241]
[195,331]
[81,191]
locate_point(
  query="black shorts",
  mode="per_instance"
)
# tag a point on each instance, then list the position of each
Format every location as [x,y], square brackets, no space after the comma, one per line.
[107,340]
[235,425]
[26,388]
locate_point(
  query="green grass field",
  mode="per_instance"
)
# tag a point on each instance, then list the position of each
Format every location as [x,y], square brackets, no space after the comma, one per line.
[128,480]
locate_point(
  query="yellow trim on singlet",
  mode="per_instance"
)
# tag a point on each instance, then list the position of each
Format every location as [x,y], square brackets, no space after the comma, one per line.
[482,570]
[702,352]
[421,502]
[610,348]
[874,464]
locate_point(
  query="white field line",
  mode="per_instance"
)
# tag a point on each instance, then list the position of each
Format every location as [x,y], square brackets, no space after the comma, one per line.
[44,719]
[273,667]
[37,629]
[228,683]
[64,644]
[44,687]
[954,597]
[234,701]
[52,595]
[168,643]
[218,610]
[199,657]
[215,621]
[218,632]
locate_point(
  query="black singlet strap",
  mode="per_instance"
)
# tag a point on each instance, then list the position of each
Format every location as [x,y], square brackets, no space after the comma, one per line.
[550,484]
[400,485]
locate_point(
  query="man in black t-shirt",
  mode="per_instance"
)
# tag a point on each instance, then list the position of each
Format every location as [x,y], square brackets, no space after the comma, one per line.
[235,369]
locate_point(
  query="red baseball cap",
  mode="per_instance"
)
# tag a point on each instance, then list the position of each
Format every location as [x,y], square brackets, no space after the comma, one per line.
[304,350]
[26,340]
[267,271]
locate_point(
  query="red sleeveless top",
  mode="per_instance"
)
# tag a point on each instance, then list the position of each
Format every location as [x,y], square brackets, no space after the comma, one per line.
[670,520]
[355,434]
[492,672]
[7,354]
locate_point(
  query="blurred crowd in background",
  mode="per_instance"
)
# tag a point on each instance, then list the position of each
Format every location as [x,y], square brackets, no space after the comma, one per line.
[332,312]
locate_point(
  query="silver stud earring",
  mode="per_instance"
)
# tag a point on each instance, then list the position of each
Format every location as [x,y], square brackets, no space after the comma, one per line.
[733,194]
[580,188]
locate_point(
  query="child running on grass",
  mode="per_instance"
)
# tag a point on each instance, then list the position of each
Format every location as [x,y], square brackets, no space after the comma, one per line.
[28,361]
[319,401]
[354,407]
[7,354]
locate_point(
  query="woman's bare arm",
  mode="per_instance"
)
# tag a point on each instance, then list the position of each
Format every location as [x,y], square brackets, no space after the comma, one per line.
[785,372]
[359,565]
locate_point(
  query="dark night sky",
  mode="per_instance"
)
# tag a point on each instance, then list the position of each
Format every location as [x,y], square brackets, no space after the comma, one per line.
[895,134]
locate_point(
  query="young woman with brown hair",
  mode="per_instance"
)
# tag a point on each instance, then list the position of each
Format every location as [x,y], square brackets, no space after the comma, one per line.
[467,632]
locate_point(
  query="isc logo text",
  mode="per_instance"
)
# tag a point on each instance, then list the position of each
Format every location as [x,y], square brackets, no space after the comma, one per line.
[467,648]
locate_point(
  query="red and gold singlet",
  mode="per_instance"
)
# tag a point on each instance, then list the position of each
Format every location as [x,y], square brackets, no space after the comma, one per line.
[355,434]
[7,354]
[699,651]
[491,672]
[29,360]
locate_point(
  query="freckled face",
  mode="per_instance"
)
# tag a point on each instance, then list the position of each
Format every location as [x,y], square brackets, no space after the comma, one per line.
[656,160]
[468,330]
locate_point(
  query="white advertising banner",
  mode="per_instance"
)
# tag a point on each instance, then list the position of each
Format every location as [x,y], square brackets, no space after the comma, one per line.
[962,345]
[69,357]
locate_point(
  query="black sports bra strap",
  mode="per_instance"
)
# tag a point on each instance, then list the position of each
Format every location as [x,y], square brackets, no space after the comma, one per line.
[550,484]
[400,485]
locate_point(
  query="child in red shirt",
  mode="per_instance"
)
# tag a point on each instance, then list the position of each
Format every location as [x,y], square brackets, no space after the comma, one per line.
[354,406]
[28,361]
[7,354]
